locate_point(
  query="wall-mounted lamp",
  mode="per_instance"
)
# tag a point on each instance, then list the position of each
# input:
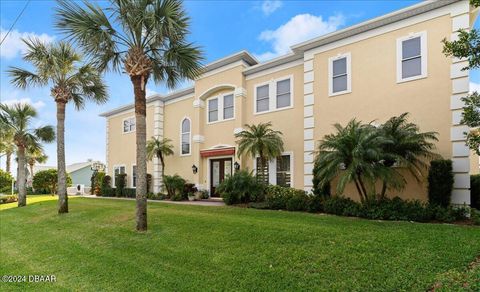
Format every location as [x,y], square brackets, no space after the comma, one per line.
[194,169]
[236,166]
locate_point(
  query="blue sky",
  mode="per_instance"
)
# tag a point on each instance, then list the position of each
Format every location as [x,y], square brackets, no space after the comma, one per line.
[264,28]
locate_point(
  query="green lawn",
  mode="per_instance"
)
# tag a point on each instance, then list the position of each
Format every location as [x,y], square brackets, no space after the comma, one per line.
[225,248]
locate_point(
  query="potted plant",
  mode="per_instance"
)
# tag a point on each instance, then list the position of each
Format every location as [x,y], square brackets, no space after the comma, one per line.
[191,197]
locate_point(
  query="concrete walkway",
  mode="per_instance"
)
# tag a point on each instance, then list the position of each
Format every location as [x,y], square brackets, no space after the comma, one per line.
[195,203]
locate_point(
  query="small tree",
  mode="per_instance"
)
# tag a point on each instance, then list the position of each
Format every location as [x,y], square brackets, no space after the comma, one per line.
[440,182]
[5,181]
[262,141]
[159,148]
[46,181]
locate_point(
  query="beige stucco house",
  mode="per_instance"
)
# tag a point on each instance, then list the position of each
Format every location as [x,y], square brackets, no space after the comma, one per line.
[370,71]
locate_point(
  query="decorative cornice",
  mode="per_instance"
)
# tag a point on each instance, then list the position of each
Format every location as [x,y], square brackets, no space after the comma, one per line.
[240,92]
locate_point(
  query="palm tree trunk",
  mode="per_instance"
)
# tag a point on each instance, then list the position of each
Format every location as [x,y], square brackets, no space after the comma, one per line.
[359,190]
[362,186]
[8,163]
[22,191]
[62,176]
[139,83]
[31,173]
[163,170]
[384,190]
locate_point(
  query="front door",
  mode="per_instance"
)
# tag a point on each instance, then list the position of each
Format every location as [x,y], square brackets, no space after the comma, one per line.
[219,170]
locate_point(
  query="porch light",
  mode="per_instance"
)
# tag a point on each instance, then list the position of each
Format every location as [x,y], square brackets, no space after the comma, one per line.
[236,166]
[194,169]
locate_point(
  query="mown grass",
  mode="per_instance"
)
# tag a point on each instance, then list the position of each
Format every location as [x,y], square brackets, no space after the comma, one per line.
[224,248]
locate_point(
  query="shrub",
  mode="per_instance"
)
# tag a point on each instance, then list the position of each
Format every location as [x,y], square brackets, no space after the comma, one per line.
[106,185]
[189,189]
[475,191]
[342,206]
[175,185]
[159,196]
[475,216]
[129,192]
[242,187]
[120,183]
[440,182]
[109,192]
[45,181]
[317,189]
[8,199]
[5,182]
[291,199]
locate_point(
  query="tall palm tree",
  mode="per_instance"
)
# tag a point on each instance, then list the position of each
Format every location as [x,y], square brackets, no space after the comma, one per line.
[353,154]
[59,66]
[143,38]
[159,148]
[7,147]
[262,141]
[18,119]
[410,149]
[35,154]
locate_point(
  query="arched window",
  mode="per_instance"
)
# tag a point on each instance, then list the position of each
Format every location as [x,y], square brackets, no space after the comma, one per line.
[185,136]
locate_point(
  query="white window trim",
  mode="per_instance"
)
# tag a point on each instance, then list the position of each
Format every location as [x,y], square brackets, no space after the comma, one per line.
[272,95]
[220,108]
[423,52]
[272,168]
[131,180]
[113,175]
[189,137]
[123,125]
[348,57]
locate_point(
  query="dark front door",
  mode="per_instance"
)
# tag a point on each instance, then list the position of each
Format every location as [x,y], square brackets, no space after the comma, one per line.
[219,170]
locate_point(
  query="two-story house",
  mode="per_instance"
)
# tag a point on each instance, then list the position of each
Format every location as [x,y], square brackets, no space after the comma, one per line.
[370,71]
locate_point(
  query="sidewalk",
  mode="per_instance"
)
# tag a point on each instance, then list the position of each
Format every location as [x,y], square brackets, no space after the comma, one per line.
[195,203]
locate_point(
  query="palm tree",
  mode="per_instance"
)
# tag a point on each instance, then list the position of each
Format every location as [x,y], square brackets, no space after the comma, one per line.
[410,149]
[18,118]
[7,147]
[353,154]
[35,154]
[143,38]
[59,66]
[262,141]
[159,148]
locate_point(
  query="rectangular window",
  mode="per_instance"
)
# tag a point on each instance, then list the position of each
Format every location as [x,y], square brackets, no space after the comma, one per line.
[283,93]
[411,57]
[228,106]
[340,77]
[263,100]
[213,110]
[134,176]
[129,125]
[283,171]
[262,171]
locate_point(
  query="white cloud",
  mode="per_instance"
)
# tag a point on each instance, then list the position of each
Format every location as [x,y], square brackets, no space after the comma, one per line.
[270,6]
[149,92]
[474,87]
[300,28]
[13,44]
[37,104]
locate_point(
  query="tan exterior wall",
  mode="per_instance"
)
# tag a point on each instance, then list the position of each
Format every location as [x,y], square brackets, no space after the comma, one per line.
[122,147]
[433,104]
[376,95]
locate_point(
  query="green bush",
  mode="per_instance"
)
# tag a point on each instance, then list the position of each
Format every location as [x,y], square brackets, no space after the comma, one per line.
[396,209]
[342,206]
[5,182]
[129,192]
[175,185]
[159,196]
[475,191]
[317,189]
[291,199]
[106,186]
[109,192]
[242,187]
[120,183]
[440,182]
[475,216]
[45,181]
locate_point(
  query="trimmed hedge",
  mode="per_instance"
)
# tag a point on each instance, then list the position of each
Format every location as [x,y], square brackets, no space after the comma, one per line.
[440,182]
[475,191]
